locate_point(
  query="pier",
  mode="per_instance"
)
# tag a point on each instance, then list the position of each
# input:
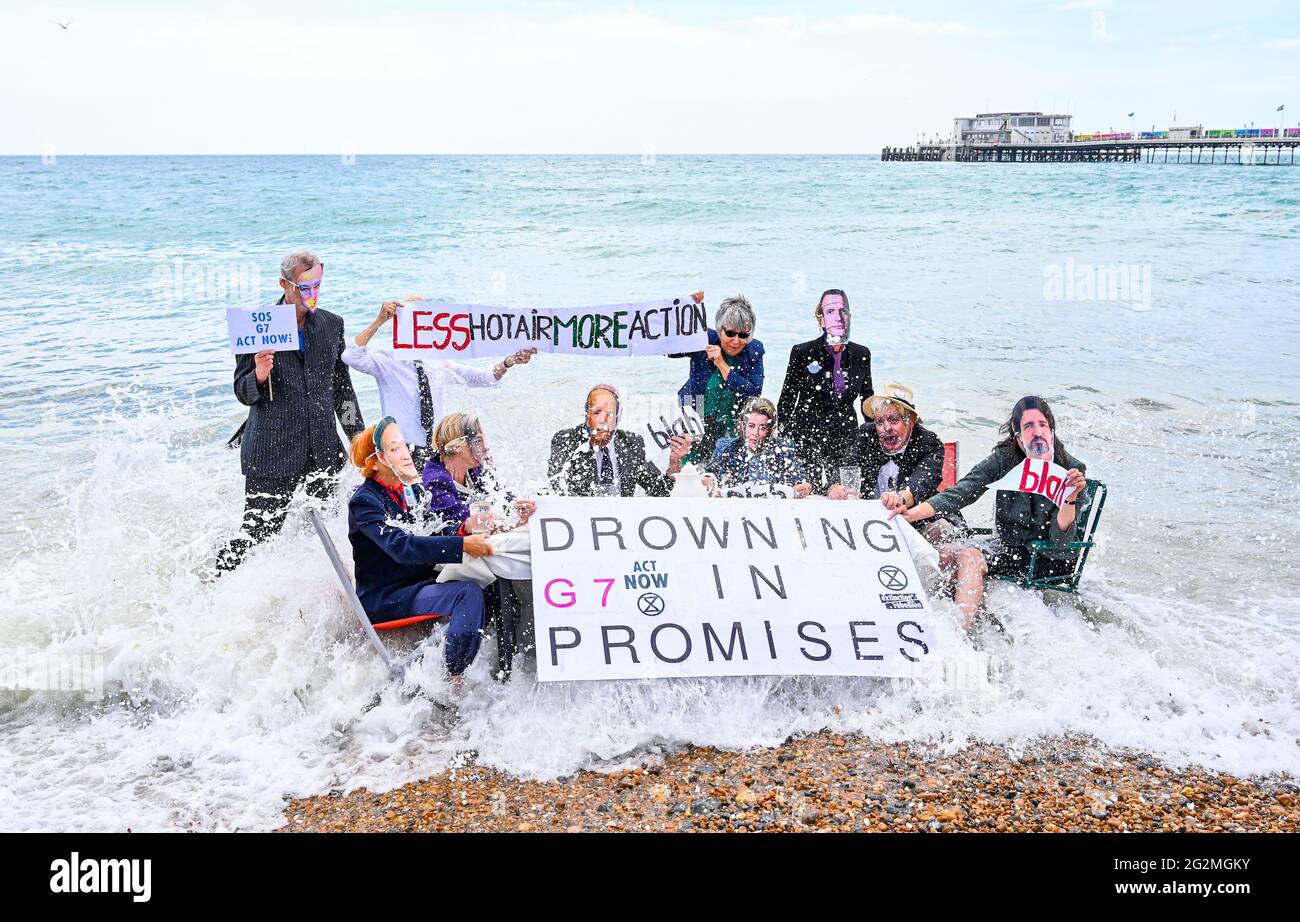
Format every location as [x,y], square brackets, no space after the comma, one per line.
[1243,151]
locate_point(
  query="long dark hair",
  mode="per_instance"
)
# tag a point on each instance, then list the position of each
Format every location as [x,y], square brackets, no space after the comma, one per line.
[1011,428]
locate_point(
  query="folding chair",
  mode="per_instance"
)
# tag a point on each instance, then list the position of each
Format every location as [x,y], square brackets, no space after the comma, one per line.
[1089,517]
[503,617]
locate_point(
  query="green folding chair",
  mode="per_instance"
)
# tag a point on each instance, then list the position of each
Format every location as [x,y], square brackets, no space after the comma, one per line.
[1089,517]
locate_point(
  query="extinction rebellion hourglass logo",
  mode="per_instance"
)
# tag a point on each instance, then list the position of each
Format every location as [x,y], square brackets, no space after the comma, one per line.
[892,578]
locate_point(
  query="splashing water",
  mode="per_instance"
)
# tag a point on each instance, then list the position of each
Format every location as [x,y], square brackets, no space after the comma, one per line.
[220,699]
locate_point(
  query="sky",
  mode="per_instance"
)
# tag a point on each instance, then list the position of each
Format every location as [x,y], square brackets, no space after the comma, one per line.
[331,77]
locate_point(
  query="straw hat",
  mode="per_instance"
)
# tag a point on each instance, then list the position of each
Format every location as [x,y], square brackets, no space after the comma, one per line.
[898,394]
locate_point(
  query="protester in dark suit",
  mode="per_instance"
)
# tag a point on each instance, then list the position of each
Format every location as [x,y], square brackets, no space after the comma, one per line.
[290,437]
[825,380]
[901,461]
[1019,518]
[599,459]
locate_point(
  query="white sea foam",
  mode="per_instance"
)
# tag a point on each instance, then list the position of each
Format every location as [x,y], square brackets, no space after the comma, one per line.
[220,699]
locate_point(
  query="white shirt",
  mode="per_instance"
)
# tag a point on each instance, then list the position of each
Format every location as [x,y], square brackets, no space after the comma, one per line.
[399,385]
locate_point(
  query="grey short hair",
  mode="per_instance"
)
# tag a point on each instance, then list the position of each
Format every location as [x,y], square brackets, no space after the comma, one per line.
[294,262]
[736,314]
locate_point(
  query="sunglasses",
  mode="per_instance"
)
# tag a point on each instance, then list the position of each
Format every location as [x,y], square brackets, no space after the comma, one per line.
[736,334]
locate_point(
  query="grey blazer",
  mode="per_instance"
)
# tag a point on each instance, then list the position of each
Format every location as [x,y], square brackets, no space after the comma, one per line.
[282,435]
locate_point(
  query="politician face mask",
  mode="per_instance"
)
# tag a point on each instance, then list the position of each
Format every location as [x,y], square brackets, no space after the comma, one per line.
[835,319]
[1036,437]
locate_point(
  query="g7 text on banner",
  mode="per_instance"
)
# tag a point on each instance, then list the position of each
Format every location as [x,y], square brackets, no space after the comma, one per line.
[651,588]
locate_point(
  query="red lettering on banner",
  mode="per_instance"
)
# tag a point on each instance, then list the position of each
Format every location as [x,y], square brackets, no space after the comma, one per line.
[440,324]
[1052,489]
[463,330]
[1029,481]
[396,344]
[416,329]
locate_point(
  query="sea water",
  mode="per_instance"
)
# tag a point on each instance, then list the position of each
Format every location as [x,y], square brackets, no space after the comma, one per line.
[1157,307]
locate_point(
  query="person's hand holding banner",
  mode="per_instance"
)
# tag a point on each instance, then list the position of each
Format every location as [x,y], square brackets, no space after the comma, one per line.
[1074,484]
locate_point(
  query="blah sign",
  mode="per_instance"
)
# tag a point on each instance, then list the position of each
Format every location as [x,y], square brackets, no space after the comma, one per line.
[1042,477]
[273,327]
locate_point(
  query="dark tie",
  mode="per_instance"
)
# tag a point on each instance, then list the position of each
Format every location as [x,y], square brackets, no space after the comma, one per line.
[605,474]
[426,401]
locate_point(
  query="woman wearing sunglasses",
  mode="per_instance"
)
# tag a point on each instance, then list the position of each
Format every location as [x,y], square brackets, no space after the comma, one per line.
[729,370]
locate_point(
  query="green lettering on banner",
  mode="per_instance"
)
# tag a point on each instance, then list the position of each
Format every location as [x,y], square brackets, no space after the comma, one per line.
[571,324]
[601,337]
[619,327]
[585,340]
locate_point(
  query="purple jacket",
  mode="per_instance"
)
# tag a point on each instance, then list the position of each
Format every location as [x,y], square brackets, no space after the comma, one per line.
[445,500]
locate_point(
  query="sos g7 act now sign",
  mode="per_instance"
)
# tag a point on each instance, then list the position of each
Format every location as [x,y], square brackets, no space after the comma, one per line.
[652,588]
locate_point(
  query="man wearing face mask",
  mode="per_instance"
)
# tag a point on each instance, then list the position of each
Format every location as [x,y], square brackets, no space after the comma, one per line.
[1019,517]
[290,437]
[825,380]
[599,459]
[901,460]
[394,564]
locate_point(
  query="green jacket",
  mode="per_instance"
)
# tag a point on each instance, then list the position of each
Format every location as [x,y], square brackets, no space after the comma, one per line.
[1019,517]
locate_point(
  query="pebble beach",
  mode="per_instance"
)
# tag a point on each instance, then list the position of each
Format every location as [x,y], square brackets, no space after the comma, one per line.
[829,783]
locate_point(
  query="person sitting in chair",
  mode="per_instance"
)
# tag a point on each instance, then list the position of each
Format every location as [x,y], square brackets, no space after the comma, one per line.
[755,455]
[1020,518]
[599,459]
[901,461]
[461,472]
[394,565]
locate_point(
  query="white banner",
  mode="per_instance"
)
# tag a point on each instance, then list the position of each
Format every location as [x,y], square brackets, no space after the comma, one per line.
[274,327]
[1046,478]
[654,588]
[424,328]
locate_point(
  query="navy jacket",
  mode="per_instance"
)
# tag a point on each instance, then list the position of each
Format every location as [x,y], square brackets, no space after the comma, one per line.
[776,462]
[391,563]
[310,389]
[746,378]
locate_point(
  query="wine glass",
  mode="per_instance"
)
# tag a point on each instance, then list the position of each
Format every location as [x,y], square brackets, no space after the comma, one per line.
[480,517]
[851,479]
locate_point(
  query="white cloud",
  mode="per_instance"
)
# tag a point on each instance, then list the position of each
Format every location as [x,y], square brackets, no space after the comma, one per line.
[624,81]
[893,23]
[1283,43]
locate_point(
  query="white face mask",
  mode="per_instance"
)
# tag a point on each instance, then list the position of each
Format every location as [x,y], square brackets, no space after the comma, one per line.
[406,485]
